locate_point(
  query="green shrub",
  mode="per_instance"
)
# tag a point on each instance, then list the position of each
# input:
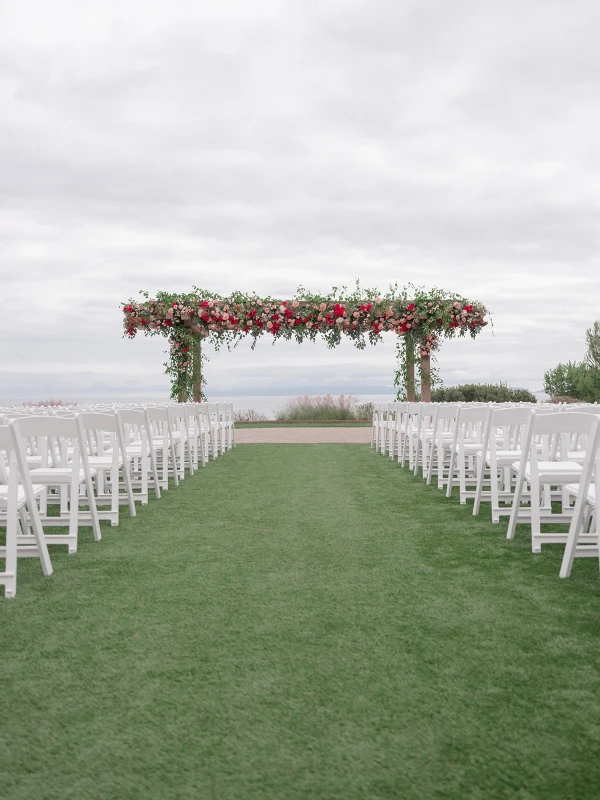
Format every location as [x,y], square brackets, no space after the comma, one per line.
[482,393]
[321,409]
[364,411]
[249,415]
[563,398]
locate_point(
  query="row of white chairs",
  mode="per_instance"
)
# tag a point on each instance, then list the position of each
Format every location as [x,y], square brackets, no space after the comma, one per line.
[73,467]
[534,464]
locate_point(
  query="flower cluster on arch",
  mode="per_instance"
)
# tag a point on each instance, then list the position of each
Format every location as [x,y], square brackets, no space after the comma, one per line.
[422,316]
[426,316]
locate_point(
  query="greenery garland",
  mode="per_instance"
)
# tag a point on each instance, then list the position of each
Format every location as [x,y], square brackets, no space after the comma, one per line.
[420,317]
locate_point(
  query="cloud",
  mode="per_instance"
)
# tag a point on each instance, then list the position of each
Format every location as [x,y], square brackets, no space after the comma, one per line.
[278,143]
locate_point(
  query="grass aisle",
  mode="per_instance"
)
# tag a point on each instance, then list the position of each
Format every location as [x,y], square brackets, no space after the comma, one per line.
[302,621]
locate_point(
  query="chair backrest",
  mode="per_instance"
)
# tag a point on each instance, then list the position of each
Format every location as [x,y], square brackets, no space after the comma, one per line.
[567,422]
[156,413]
[134,426]
[59,427]
[93,420]
[585,409]
[132,416]
[7,453]
[58,442]
[93,426]
[176,411]
[473,413]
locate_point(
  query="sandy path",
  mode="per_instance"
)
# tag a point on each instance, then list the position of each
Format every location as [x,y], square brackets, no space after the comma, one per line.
[302,435]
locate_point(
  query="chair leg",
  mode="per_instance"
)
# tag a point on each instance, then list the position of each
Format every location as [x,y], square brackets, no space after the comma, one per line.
[9,578]
[536,528]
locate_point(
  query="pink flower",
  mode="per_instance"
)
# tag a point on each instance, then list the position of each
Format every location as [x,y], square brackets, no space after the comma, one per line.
[322,307]
[456,304]
[269,325]
[295,304]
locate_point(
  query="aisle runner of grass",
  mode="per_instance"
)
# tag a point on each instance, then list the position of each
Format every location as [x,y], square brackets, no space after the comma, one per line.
[302,621]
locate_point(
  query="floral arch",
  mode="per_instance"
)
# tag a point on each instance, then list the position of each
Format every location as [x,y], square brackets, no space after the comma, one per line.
[419,318]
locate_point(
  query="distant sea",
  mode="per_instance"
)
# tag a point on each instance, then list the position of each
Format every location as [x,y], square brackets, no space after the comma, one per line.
[263,405]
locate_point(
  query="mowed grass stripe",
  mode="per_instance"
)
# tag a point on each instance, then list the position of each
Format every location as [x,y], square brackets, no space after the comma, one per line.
[302,621]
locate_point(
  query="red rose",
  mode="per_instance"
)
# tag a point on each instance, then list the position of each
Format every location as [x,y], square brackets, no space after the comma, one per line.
[411,307]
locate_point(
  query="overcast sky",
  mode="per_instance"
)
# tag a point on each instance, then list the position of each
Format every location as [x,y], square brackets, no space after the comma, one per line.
[265,144]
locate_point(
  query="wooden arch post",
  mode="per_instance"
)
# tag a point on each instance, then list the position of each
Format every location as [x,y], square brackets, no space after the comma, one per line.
[426,379]
[409,344]
[197,368]
[196,373]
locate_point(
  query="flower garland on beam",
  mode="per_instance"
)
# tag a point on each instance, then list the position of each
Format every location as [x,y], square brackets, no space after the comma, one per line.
[421,318]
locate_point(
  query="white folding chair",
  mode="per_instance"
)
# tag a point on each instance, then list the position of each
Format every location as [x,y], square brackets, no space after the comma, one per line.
[471,422]
[65,472]
[230,425]
[546,468]
[423,437]
[441,441]
[506,437]
[103,436]
[196,433]
[161,440]
[397,447]
[180,438]
[585,522]
[139,447]
[214,429]
[375,429]
[17,497]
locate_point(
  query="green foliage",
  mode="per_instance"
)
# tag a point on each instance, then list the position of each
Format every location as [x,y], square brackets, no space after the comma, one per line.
[563,398]
[578,379]
[482,393]
[249,415]
[364,411]
[562,379]
[592,338]
[327,407]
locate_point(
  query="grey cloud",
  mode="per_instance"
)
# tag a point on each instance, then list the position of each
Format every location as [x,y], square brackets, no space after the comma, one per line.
[284,143]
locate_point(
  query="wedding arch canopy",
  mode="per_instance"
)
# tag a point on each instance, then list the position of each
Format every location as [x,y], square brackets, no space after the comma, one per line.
[419,318]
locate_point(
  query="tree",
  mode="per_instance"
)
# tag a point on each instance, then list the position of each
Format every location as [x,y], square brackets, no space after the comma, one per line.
[562,380]
[592,338]
[578,379]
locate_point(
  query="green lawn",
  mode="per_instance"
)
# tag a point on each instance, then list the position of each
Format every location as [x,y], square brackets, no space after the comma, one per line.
[302,621]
